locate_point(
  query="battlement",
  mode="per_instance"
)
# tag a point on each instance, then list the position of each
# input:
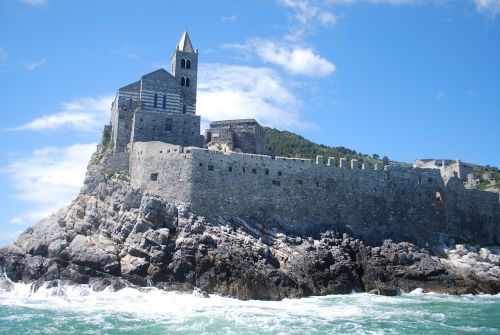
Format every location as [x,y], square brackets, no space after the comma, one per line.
[167,157]
[305,196]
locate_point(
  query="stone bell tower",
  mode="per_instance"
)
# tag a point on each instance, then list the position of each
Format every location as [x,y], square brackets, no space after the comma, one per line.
[185,70]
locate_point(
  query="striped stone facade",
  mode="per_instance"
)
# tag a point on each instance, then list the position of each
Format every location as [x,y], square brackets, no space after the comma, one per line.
[161,106]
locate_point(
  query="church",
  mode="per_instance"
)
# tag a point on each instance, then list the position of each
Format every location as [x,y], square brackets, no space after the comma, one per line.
[161,105]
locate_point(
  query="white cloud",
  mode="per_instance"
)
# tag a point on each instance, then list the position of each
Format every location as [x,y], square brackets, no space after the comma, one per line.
[440,94]
[33,65]
[35,2]
[48,179]
[82,114]
[295,59]
[327,18]
[309,14]
[125,51]
[8,236]
[488,7]
[231,18]
[235,92]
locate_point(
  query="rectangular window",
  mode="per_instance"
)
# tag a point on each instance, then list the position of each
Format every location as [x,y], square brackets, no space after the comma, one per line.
[230,168]
[168,124]
[254,170]
[298,181]
[153,176]
[266,171]
[279,173]
[156,101]
[210,168]
[164,101]
[276,182]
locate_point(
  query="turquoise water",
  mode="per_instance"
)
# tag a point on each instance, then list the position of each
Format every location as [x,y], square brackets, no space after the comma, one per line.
[79,310]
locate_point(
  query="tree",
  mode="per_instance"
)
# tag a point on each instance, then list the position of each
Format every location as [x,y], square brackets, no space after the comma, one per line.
[385,160]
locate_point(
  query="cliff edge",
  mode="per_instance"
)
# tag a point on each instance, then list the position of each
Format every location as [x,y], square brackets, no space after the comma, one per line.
[113,235]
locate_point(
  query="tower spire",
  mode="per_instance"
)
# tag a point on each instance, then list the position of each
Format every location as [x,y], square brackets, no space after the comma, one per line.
[185,43]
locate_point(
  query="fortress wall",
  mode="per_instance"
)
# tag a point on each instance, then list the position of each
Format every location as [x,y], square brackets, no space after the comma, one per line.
[472,214]
[121,119]
[182,129]
[170,164]
[300,196]
[304,197]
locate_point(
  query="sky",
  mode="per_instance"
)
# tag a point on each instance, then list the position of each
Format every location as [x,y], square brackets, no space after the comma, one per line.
[403,78]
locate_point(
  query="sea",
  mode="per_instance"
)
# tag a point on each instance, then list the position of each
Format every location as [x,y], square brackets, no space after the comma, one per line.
[80,310]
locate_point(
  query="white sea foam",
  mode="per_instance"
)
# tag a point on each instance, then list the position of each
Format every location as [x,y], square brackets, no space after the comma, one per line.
[192,313]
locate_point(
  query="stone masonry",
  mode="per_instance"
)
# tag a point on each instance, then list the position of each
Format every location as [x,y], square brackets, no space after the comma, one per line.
[237,135]
[155,129]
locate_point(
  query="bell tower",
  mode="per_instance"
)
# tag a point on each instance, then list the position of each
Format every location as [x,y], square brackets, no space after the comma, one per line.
[185,70]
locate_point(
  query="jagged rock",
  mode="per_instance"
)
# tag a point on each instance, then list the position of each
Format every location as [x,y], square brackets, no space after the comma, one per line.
[113,232]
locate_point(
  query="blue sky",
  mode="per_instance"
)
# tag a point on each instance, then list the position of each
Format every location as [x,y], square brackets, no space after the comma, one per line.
[403,78]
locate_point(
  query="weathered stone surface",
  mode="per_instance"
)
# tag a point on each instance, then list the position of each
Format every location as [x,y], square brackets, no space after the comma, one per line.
[132,236]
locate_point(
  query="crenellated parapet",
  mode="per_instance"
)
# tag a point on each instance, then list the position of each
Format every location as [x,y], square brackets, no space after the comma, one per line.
[306,196]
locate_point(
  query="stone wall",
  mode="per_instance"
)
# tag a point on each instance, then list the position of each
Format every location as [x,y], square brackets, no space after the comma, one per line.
[163,169]
[239,135]
[173,128]
[302,197]
[122,111]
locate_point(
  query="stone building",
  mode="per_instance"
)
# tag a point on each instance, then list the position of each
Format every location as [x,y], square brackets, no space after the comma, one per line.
[161,106]
[236,135]
[448,168]
[156,137]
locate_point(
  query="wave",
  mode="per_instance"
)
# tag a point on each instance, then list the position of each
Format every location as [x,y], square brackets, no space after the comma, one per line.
[193,312]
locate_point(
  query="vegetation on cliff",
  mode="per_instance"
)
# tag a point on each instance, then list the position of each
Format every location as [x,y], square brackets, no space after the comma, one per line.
[288,144]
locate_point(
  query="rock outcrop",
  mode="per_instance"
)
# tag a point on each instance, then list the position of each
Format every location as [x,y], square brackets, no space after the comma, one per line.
[114,235]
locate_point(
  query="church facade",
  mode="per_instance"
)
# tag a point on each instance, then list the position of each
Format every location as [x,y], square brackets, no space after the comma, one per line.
[161,105]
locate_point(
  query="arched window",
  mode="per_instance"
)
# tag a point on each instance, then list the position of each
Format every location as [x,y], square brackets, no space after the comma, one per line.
[156,101]
[164,101]
[183,81]
[188,64]
[183,63]
[187,82]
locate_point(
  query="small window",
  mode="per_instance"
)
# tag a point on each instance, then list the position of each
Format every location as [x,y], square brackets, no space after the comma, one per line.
[210,168]
[164,101]
[168,124]
[130,104]
[201,164]
[183,81]
[183,109]
[266,171]
[276,182]
[243,169]
[187,82]
[183,63]
[254,170]
[156,101]
[317,184]
[188,64]
[153,176]
[230,169]
[430,180]
[298,181]
[279,173]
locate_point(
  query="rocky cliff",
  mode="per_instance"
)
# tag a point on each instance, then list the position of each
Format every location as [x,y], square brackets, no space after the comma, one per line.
[114,235]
